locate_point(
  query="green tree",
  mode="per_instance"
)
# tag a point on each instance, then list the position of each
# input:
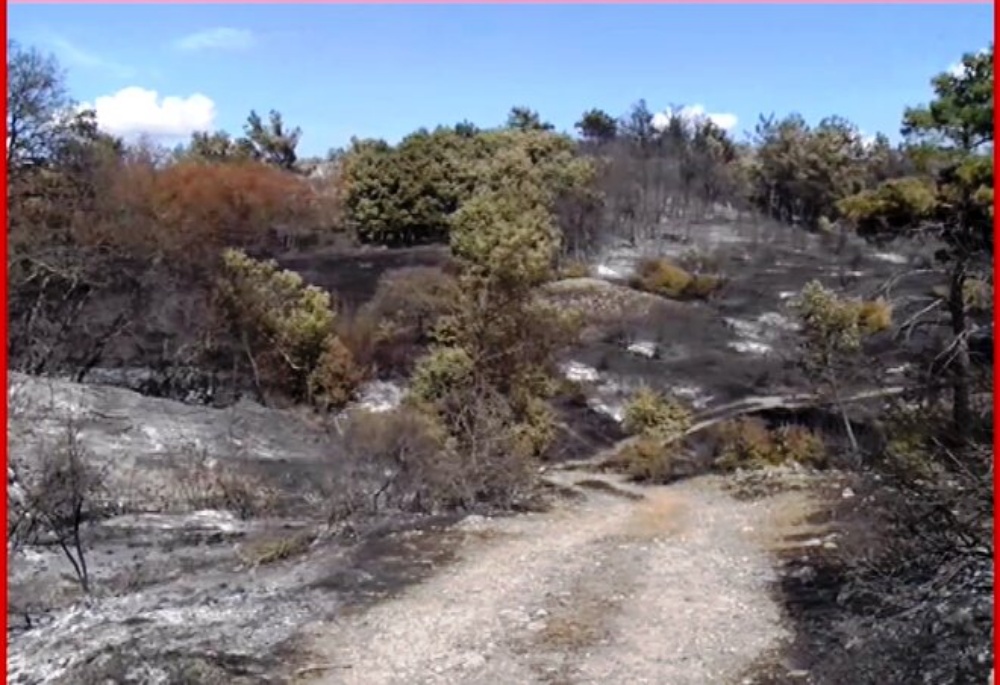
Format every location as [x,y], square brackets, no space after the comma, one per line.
[406,194]
[950,197]
[597,126]
[272,142]
[218,147]
[45,128]
[526,119]
[799,173]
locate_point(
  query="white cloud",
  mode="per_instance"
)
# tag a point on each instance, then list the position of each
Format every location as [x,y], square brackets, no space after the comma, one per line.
[137,111]
[221,38]
[723,120]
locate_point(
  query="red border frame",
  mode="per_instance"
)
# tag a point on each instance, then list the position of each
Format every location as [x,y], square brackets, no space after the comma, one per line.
[3,282]
[3,354]
[996,356]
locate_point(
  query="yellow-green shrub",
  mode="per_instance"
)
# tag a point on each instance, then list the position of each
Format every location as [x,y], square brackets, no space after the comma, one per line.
[651,412]
[276,304]
[536,430]
[573,269]
[703,286]
[286,327]
[977,293]
[663,277]
[440,371]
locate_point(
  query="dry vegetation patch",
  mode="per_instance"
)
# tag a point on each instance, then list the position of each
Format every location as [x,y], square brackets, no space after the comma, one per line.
[662,277]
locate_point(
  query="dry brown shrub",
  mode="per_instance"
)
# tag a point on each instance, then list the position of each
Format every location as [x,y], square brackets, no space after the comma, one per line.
[662,277]
[336,376]
[395,327]
[745,442]
[801,445]
[574,269]
[211,206]
[649,459]
[419,464]
[749,443]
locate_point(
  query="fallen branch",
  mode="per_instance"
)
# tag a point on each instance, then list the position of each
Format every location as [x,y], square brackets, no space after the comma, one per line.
[726,412]
[316,668]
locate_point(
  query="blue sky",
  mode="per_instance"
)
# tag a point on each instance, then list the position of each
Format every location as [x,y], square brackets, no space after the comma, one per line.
[383,71]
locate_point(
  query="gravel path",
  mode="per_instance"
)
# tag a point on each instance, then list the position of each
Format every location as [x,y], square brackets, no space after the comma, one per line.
[668,585]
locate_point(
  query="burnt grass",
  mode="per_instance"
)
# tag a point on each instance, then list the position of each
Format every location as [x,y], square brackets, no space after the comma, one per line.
[883,601]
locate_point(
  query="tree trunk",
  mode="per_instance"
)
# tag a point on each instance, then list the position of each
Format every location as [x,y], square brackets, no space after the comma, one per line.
[959,365]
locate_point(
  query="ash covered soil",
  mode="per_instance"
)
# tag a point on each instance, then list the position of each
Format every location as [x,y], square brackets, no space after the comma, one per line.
[607,582]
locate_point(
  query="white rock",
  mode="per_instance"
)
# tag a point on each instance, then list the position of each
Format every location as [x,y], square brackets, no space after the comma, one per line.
[580,373]
[643,349]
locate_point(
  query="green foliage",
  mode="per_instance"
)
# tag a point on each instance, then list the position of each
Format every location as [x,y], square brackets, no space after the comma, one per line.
[800,172]
[272,143]
[440,372]
[952,138]
[961,115]
[278,305]
[833,325]
[410,193]
[913,446]
[526,119]
[597,126]
[651,413]
[286,329]
[536,429]
[977,294]
[218,147]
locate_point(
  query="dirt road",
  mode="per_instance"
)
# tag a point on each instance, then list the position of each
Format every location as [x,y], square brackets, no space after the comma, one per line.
[666,586]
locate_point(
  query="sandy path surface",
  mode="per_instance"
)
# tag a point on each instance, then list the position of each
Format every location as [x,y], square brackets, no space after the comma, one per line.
[668,587]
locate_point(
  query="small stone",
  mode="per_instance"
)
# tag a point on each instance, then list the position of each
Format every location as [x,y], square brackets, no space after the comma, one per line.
[847,493]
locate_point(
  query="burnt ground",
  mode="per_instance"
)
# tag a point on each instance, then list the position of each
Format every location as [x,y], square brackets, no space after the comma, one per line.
[354,274]
[191,597]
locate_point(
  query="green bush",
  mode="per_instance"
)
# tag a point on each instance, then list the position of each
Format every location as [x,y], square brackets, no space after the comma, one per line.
[651,412]
[537,428]
[285,329]
[439,372]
